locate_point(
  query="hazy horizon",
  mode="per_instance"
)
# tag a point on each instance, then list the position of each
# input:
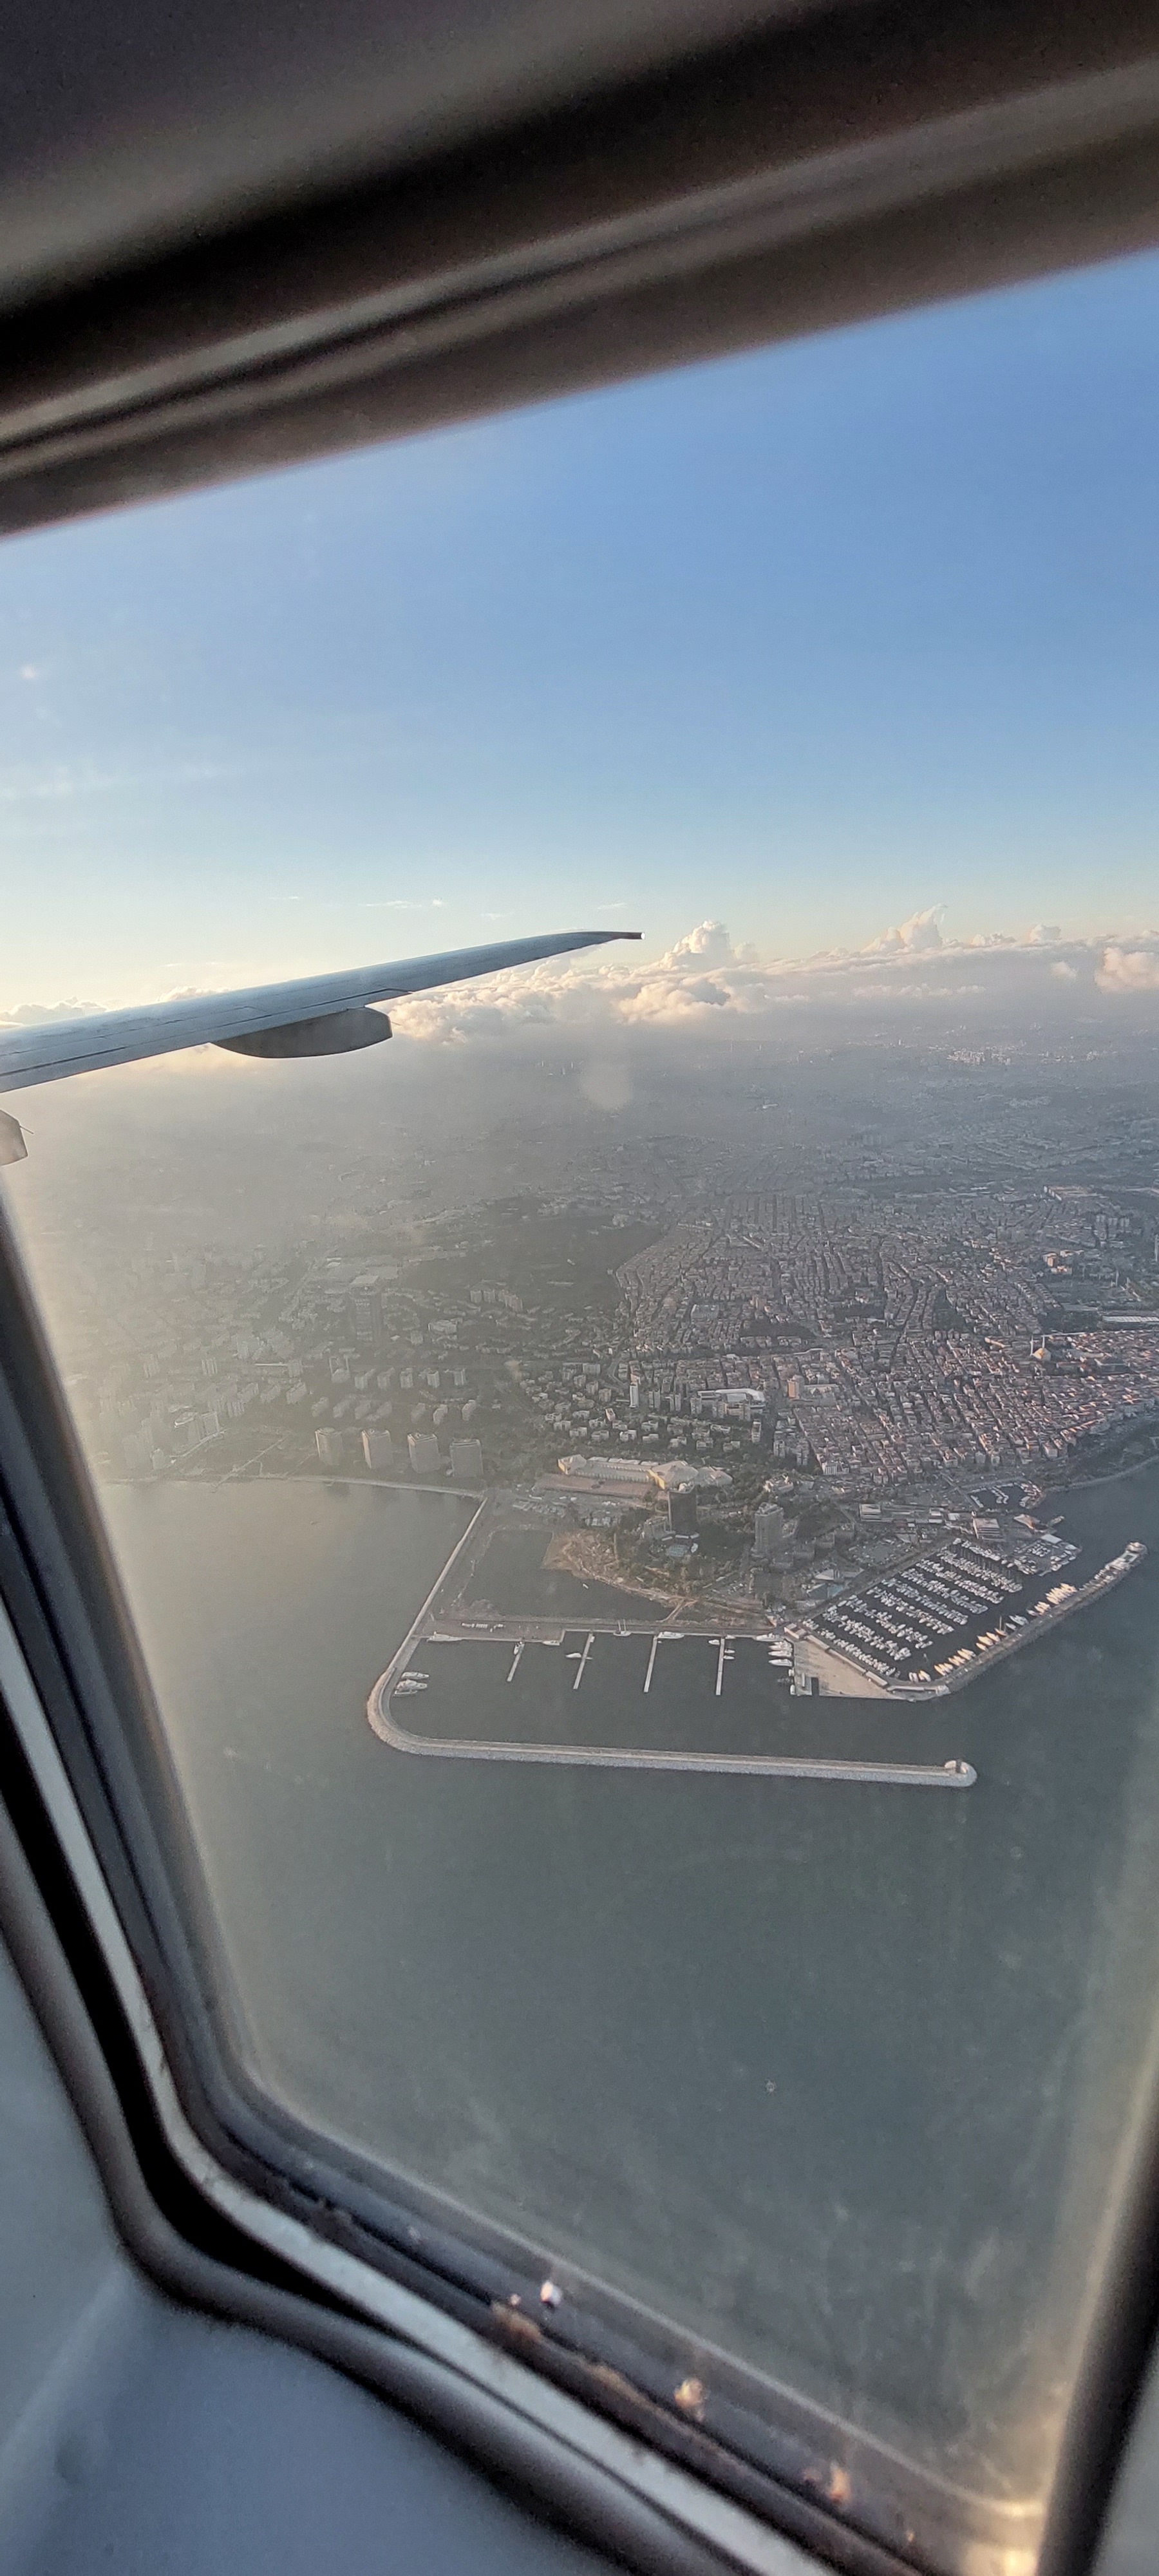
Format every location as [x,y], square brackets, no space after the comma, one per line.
[835,661]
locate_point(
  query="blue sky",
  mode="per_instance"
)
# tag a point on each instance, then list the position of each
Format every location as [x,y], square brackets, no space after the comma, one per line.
[808,641]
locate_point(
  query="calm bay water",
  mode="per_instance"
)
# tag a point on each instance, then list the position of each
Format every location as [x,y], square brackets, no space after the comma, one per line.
[834,2076]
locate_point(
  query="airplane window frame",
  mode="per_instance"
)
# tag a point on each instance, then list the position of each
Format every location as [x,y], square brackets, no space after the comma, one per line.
[57,1581]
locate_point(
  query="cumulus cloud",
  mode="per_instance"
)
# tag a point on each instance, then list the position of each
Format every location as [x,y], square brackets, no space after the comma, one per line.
[31,1014]
[709,944]
[705,982]
[920,936]
[701,978]
[1130,970]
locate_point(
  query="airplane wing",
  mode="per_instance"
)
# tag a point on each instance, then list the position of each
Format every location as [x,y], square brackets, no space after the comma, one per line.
[317,1015]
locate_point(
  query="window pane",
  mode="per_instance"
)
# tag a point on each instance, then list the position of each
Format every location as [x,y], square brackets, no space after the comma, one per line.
[636,1496]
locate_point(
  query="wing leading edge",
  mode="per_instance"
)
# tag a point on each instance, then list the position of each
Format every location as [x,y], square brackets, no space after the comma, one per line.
[317,1015]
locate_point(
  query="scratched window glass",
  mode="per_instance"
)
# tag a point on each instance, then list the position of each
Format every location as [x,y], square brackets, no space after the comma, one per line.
[640,1497]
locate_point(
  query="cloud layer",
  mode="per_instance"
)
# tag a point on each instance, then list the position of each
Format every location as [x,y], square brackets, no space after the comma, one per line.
[705,982]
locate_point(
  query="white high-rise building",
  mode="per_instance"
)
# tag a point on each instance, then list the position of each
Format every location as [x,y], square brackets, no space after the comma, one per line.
[378,1450]
[769,1533]
[467,1461]
[423,1450]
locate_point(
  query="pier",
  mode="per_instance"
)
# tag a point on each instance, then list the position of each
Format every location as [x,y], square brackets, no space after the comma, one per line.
[612,1757]
[521,1641]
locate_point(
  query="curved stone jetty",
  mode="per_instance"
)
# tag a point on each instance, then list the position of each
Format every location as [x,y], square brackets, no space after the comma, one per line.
[611,1757]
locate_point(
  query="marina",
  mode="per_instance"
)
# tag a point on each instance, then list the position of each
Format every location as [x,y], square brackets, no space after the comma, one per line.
[918,1634]
[706,1705]
[931,1627]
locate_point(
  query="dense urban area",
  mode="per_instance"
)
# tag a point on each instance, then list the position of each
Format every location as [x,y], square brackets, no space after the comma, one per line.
[757,1371]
